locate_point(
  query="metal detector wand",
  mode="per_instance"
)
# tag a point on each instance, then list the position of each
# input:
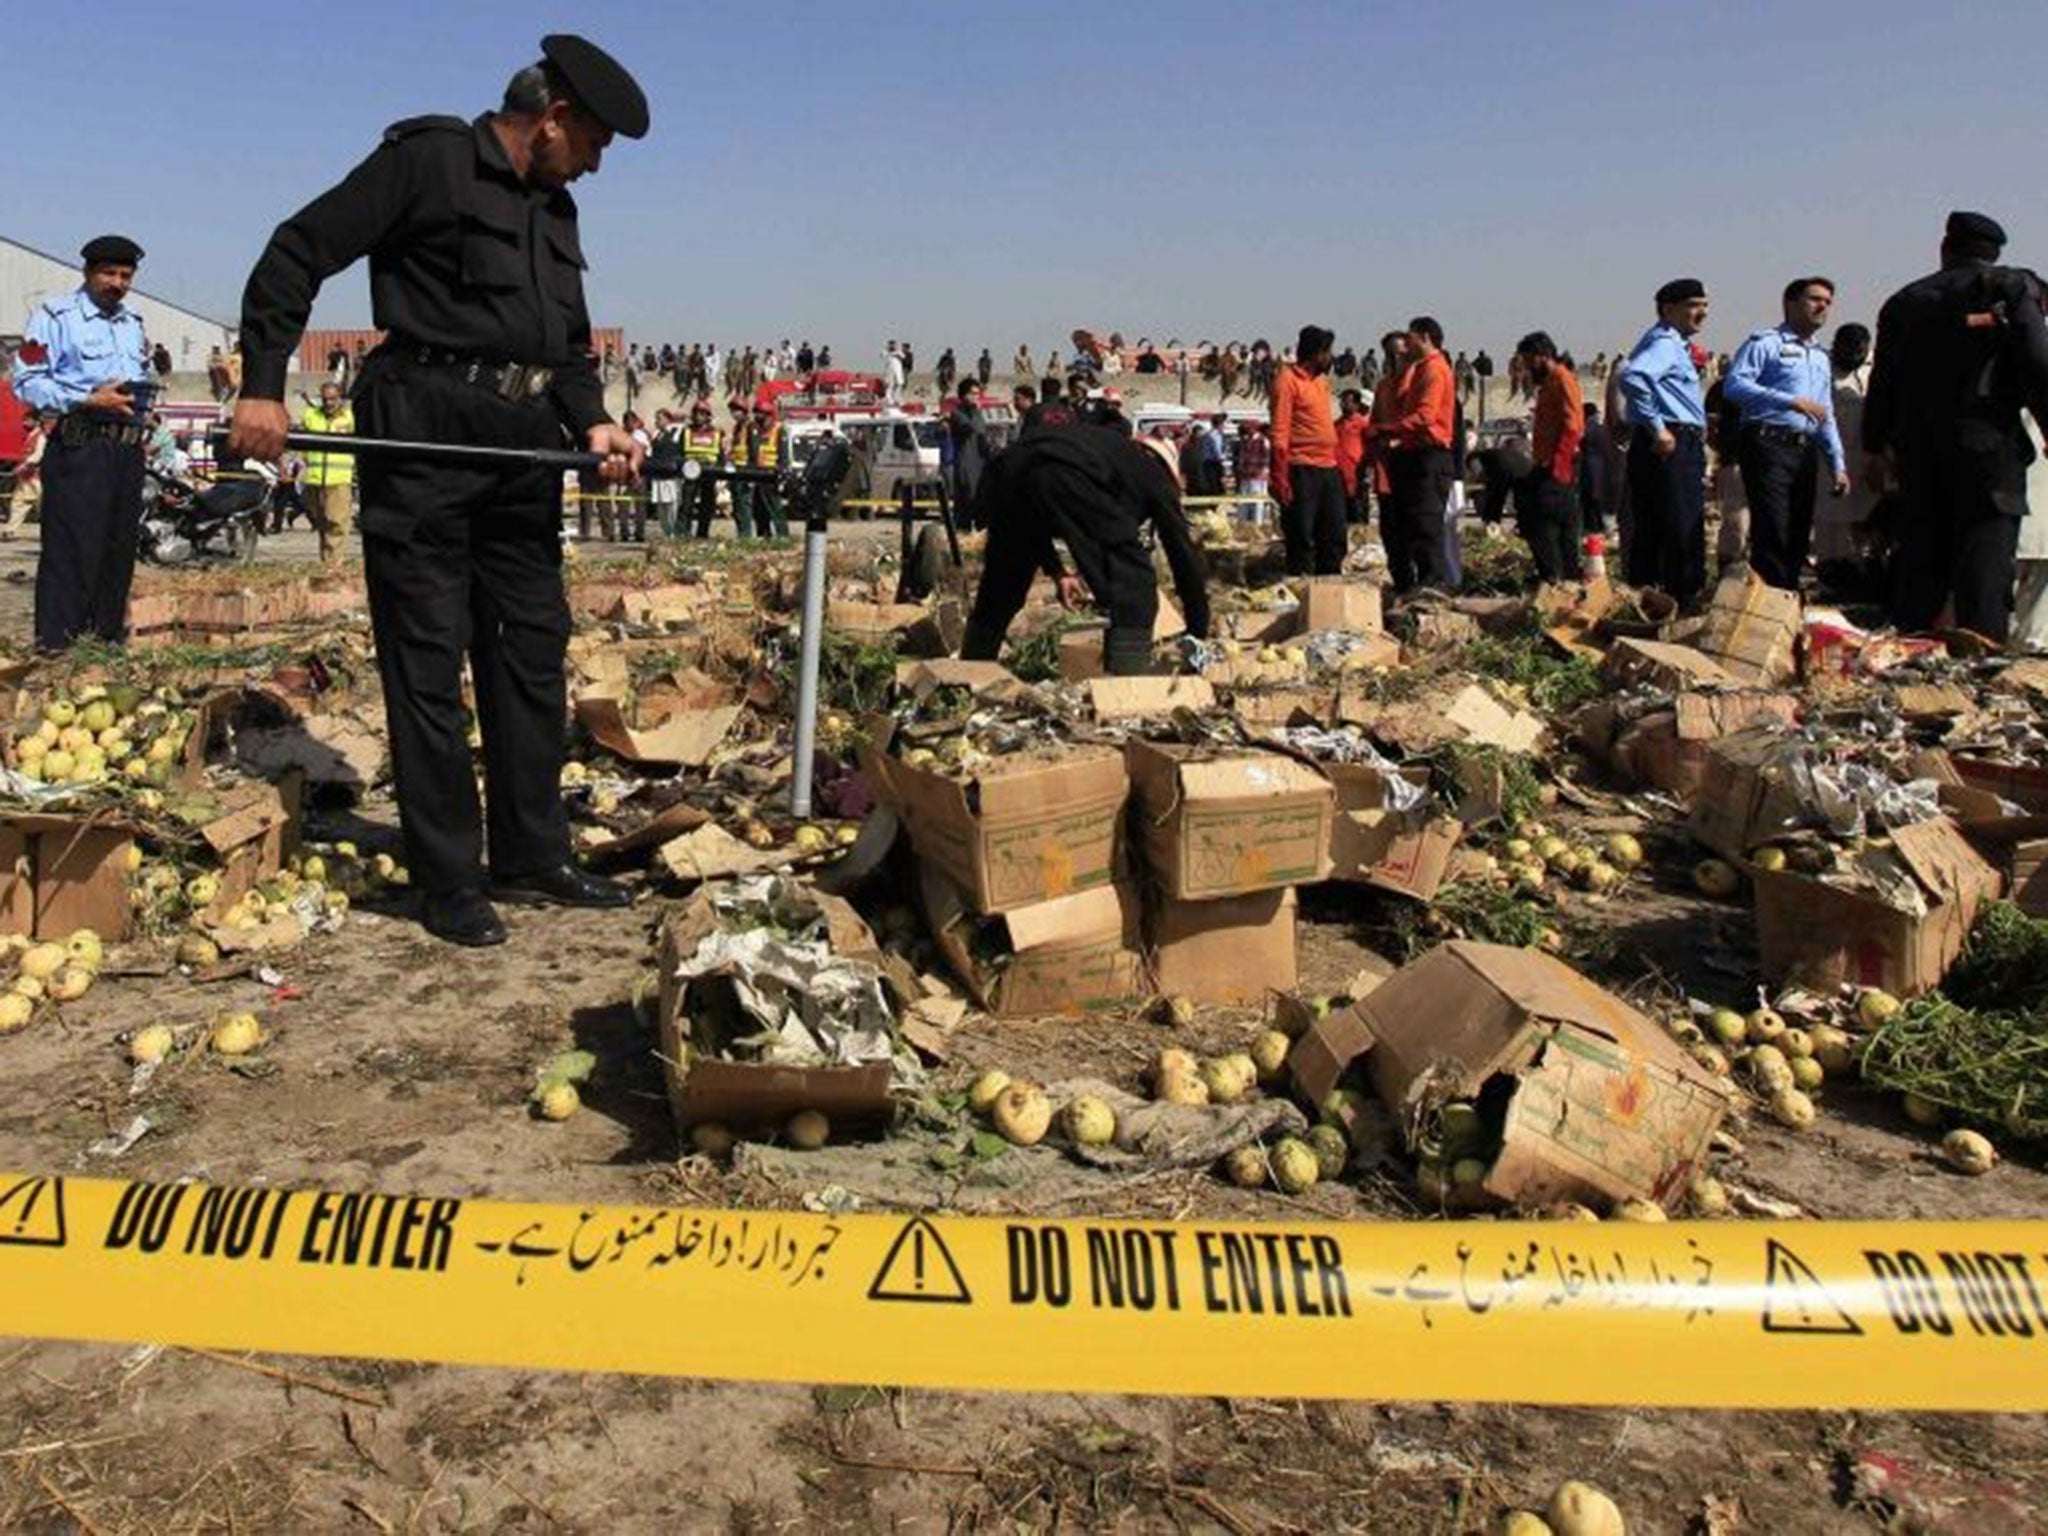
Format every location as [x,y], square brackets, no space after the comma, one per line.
[821,476]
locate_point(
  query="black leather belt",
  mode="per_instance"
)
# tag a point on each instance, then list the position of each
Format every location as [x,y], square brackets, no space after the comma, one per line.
[77,429]
[1771,432]
[508,381]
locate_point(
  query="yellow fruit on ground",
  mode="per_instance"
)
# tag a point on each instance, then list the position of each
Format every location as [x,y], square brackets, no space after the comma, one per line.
[808,1130]
[69,984]
[1637,1210]
[1715,877]
[812,839]
[195,949]
[1874,1008]
[202,890]
[1521,1522]
[85,947]
[29,987]
[1268,1052]
[1022,1115]
[1294,1166]
[1792,1108]
[1624,850]
[711,1139]
[1088,1121]
[1922,1111]
[1183,1088]
[1580,1509]
[1708,1196]
[1221,1079]
[986,1089]
[558,1101]
[236,1034]
[15,1011]
[42,961]
[1968,1152]
[152,1043]
[1246,1167]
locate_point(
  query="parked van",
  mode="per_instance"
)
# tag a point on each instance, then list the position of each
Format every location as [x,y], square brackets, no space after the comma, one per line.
[891,449]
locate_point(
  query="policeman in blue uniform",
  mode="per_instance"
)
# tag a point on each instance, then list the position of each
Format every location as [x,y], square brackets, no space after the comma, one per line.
[84,357]
[476,278]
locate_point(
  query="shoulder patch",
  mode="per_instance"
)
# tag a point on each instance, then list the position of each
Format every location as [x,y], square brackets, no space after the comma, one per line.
[430,123]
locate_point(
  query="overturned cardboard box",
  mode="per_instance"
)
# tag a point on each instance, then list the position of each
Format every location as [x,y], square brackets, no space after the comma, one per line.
[916,629]
[1901,930]
[705,1086]
[1663,666]
[1372,843]
[1752,629]
[1229,822]
[1230,950]
[1458,714]
[1022,830]
[1667,748]
[1594,1101]
[1744,795]
[1074,954]
[60,873]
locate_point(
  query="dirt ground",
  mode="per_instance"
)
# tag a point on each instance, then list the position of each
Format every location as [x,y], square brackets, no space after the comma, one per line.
[423,1091]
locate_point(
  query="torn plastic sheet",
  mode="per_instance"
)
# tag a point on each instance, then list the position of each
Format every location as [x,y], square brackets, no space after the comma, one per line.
[809,1007]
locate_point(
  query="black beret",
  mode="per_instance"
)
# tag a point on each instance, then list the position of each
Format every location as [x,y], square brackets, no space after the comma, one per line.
[1975,228]
[111,250]
[1679,289]
[599,82]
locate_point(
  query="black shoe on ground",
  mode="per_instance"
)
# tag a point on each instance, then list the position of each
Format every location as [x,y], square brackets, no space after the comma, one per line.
[563,886]
[462,917]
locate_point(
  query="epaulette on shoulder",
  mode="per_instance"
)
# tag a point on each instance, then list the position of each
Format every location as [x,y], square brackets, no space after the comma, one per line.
[433,122]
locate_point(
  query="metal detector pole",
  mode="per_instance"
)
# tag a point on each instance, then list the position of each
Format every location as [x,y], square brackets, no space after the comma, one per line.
[810,643]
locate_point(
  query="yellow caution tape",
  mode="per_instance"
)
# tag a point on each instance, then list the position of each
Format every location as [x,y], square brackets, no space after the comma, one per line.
[1948,1315]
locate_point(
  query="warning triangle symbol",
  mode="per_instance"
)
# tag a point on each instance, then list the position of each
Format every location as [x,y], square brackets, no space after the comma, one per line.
[919,1267]
[1794,1299]
[32,1211]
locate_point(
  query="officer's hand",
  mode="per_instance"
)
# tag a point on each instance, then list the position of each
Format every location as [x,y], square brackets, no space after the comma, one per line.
[1073,592]
[622,455]
[258,430]
[1841,483]
[111,398]
[1812,410]
[1663,444]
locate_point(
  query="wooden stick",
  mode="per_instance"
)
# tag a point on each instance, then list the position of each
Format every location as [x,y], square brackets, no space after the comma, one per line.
[290,1378]
[65,1504]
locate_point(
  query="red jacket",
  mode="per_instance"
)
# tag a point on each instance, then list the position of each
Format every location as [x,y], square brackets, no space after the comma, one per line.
[13,424]
[1351,448]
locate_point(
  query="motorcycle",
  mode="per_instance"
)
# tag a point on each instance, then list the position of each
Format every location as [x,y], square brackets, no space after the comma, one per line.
[184,524]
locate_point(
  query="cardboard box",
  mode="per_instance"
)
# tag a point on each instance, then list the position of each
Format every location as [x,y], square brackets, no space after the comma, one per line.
[1081,647]
[1744,796]
[256,831]
[1667,749]
[1266,709]
[1022,831]
[62,873]
[1468,714]
[1597,1103]
[2030,877]
[1225,823]
[1753,630]
[1338,602]
[1261,626]
[1070,955]
[687,737]
[755,1095]
[1660,665]
[1136,698]
[1821,936]
[1406,852]
[1233,950]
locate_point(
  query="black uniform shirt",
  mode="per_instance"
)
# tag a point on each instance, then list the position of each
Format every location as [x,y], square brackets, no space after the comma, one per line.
[1958,354]
[464,255]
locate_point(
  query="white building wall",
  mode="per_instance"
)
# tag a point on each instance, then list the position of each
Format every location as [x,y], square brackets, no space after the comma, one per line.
[28,277]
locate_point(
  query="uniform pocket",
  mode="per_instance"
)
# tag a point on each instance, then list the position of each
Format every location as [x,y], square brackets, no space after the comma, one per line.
[493,242]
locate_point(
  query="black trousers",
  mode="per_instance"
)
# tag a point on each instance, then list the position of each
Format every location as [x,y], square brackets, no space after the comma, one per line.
[462,564]
[1959,535]
[1412,517]
[1312,524]
[1547,515]
[1780,478]
[92,513]
[1054,500]
[705,496]
[1668,505]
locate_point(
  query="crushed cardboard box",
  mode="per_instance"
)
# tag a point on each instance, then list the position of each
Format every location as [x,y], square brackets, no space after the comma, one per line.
[1667,748]
[1137,698]
[686,737]
[1660,665]
[1230,950]
[1229,822]
[1595,1101]
[1466,713]
[1373,843]
[1744,795]
[61,873]
[1901,935]
[1338,602]
[1073,954]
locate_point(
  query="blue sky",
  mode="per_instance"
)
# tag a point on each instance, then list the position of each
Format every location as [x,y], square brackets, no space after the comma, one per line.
[970,174]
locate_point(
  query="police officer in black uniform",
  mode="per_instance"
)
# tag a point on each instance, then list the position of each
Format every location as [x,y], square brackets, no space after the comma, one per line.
[1958,354]
[1081,478]
[476,277]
